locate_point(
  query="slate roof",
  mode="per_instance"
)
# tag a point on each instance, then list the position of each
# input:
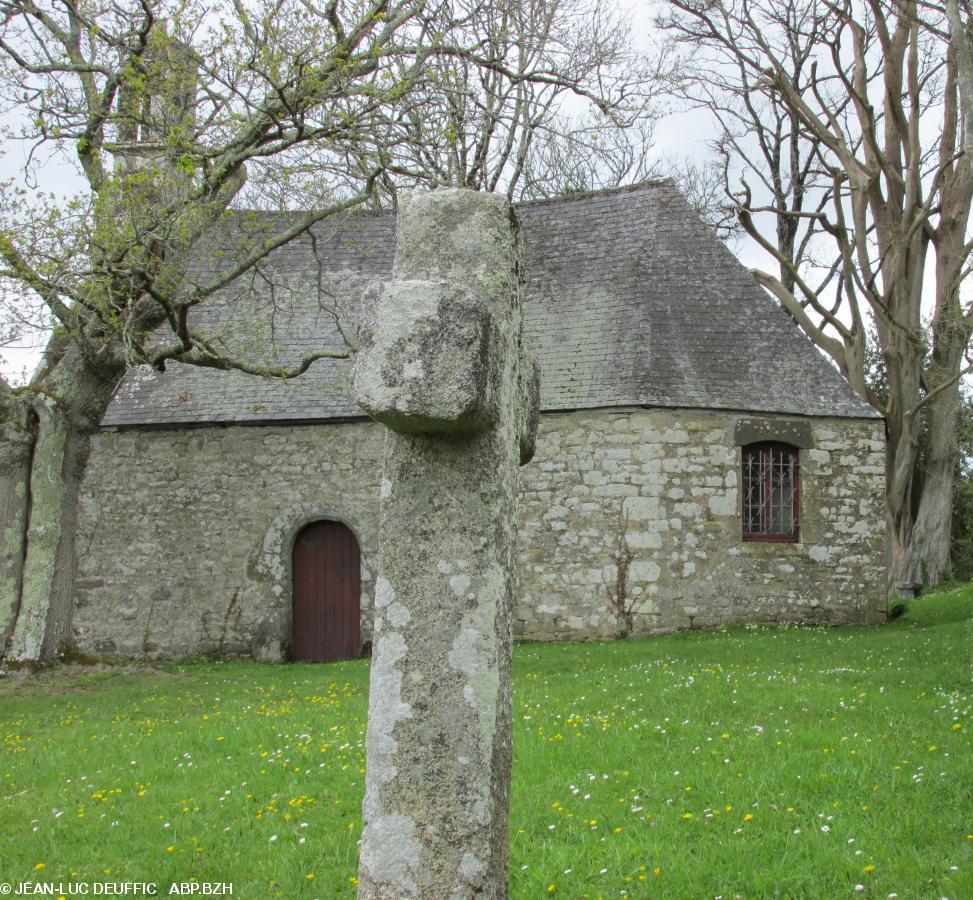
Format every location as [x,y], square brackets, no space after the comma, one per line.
[631,301]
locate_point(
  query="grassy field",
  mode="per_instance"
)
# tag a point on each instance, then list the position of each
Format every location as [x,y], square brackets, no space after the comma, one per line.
[750,762]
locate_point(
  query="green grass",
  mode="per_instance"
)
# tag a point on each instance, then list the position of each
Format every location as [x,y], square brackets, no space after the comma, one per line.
[748,762]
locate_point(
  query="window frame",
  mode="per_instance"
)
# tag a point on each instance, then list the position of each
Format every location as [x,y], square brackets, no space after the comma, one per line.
[794,455]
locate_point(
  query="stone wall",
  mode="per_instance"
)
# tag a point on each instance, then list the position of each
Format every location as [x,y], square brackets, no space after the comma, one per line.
[630,521]
[636,515]
[186,535]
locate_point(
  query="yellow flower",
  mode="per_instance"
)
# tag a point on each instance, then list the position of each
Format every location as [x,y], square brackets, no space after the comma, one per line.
[687,816]
[748,817]
[170,849]
[309,876]
[551,888]
[40,866]
[657,871]
[869,869]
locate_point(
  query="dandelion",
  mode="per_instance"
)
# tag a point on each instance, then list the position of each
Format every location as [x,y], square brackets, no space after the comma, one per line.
[40,866]
[868,870]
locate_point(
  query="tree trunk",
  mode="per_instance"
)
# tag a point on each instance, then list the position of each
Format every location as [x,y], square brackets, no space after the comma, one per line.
[72,395]
[903,364]
[950,338]
[898,515]
[930,542]
[16,449]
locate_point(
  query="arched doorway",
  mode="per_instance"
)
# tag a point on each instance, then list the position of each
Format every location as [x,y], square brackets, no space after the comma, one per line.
[327,593]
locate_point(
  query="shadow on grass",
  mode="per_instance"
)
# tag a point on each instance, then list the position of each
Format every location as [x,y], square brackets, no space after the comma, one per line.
[949,605]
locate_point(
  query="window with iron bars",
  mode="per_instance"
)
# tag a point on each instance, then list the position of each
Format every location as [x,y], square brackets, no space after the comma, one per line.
[770,493]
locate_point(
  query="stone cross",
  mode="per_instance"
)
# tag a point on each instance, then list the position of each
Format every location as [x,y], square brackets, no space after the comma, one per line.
[441,364]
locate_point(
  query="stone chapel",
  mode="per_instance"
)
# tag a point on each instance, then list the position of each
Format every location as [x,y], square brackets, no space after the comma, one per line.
[698,462]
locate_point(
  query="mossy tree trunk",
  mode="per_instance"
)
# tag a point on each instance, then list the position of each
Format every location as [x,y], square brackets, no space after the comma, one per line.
[16,449]
[61,409]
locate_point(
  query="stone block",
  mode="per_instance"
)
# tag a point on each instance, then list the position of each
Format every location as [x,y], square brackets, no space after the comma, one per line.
[643,540]
[640,509]
[427,360]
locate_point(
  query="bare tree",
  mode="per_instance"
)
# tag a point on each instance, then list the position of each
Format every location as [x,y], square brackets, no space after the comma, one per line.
[529,98]
[842,122]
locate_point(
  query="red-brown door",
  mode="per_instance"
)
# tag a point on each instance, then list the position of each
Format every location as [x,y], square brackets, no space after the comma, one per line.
[327,593]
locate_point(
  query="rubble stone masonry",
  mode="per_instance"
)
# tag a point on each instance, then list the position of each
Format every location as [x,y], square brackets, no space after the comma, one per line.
[630,522]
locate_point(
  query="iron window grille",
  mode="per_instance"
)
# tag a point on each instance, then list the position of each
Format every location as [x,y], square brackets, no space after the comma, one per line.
[770,493]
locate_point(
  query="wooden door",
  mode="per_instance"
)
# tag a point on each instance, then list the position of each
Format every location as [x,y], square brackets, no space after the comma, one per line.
[327,593]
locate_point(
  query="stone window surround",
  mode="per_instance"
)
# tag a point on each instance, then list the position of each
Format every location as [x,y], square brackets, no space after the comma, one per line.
[794,535]
[753,430]
[796,432]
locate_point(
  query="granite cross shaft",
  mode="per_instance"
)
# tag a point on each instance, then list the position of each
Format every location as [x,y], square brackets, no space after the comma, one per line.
[441,364]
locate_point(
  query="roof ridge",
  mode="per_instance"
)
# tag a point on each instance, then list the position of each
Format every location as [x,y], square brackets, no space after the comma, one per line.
[600,192]
[647,184]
